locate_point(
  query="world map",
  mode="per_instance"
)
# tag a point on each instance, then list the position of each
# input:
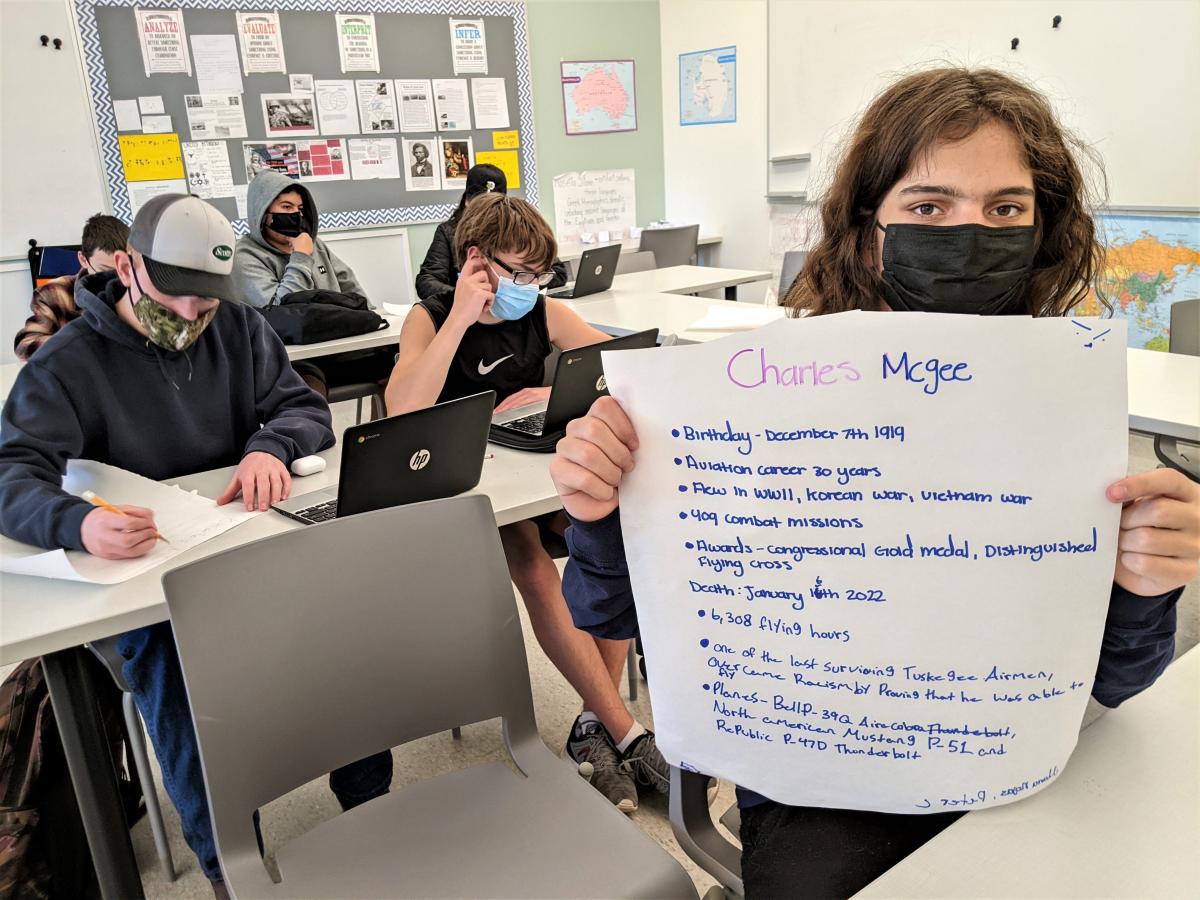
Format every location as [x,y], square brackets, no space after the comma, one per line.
[1151,262]
[599,97]
[708,86]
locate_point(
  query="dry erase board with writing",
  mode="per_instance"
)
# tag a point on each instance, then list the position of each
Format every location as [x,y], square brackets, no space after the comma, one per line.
[414,42]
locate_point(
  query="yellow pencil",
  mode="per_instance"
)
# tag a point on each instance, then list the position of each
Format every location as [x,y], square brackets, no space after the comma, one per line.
[92,497]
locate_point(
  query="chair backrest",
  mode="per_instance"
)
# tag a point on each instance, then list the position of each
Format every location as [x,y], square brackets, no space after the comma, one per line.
[639,261]
[671,246]
[317,647]
[1185,327]
[793,262]
[46,263]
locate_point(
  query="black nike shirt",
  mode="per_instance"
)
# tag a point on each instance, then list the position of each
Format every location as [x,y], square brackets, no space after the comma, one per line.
[506,357]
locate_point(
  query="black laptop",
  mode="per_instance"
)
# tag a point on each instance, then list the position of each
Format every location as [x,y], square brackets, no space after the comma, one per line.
[593,273]
[424,455]
[578,381]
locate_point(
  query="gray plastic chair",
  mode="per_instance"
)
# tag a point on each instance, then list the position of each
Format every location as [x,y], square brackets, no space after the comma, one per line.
[672,246]
[639,261]
[1185,338]
[106,651]
[300,656]
[693,826]
[359,392]
[793,262]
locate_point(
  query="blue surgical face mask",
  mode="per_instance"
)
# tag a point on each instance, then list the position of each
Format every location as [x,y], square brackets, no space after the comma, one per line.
[513,301]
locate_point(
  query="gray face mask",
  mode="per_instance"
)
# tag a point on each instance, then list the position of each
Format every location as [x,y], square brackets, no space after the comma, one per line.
[972,269]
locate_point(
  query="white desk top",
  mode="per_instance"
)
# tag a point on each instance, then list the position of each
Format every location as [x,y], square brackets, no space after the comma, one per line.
[40,615]
[670,313]
[1122,820]
[572,250]
[389,335]
[1164,393]
[686,279]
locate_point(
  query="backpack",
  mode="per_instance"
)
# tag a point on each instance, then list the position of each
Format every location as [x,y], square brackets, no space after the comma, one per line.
[308,317]
[43,849]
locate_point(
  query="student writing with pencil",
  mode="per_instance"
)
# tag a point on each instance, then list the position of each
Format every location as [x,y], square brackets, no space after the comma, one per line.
[160,377]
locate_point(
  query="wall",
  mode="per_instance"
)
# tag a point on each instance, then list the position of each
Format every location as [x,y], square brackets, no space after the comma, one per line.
[587,29]
[1125,76]
[716,174]
[64,157]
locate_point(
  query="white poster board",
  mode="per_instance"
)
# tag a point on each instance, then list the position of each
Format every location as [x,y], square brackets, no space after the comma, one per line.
[872,552]
[589,202]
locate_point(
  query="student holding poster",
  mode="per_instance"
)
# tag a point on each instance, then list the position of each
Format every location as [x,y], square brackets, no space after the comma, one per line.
[981,155]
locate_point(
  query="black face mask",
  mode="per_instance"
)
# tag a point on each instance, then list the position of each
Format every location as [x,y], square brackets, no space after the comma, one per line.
[970,269]
[288,224]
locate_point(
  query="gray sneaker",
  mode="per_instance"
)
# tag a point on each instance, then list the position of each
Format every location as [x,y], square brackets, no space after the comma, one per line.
[589,742]
[646,765]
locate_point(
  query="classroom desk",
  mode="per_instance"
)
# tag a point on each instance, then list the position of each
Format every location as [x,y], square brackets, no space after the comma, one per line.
[627,311]
[52,619]
[689,280]
[570,251]
[381,338]
[1122,820]
[1164,394]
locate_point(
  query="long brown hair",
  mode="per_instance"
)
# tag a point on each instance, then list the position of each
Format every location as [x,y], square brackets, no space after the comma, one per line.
[898,128]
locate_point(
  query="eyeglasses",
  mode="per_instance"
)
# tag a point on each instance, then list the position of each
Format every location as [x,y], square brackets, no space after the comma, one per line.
[541,279]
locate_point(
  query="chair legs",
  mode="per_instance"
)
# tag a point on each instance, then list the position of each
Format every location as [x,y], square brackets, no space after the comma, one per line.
[631,665]
[141,763]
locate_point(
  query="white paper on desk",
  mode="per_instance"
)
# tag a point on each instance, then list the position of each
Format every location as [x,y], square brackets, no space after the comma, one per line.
[743,318]
[397,309]
[217,67]
[185,519]
[778,472]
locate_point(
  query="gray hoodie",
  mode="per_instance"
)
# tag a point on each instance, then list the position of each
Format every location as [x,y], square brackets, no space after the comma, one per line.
[264,274]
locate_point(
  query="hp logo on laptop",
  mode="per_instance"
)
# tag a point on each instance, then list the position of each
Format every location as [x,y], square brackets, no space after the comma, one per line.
[419,460]
[599,269]
[601,384]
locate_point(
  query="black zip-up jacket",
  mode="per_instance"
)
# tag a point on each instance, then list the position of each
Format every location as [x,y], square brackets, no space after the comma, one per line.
[438,274]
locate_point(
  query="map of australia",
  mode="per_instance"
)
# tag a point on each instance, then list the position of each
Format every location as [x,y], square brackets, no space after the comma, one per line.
[598,97]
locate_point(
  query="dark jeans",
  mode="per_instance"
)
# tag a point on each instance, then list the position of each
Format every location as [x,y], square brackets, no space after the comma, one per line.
[152,671]
[799,851]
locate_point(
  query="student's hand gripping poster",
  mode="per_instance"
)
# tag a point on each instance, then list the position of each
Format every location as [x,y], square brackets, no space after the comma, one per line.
[872,554]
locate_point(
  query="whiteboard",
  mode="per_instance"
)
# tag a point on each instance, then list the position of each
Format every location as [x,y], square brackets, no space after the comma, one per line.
[1125,76]
[50,174]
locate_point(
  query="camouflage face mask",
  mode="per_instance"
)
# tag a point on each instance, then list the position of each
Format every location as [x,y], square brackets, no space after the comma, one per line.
[165,328]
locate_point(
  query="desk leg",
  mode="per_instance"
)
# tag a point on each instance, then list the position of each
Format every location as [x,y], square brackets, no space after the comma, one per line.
[731,292]
[92,772]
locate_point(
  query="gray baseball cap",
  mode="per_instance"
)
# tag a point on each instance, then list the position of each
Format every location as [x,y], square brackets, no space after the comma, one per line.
[187,246]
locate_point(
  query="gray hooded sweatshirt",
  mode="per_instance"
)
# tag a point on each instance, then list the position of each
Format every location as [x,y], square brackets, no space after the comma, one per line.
[264,274]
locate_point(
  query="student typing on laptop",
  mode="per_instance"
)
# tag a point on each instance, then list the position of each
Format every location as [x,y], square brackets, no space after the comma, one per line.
[494,333]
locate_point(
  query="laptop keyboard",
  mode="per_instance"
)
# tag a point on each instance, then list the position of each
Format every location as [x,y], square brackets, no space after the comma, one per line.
[322,512]
[533,424]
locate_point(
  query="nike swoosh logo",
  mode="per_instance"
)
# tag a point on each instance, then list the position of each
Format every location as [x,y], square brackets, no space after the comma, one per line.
[483,370]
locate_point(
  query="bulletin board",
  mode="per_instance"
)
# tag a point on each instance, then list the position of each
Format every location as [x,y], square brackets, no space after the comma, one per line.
[414,40]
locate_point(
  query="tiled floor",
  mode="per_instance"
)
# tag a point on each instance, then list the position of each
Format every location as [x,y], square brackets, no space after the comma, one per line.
[556,707]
